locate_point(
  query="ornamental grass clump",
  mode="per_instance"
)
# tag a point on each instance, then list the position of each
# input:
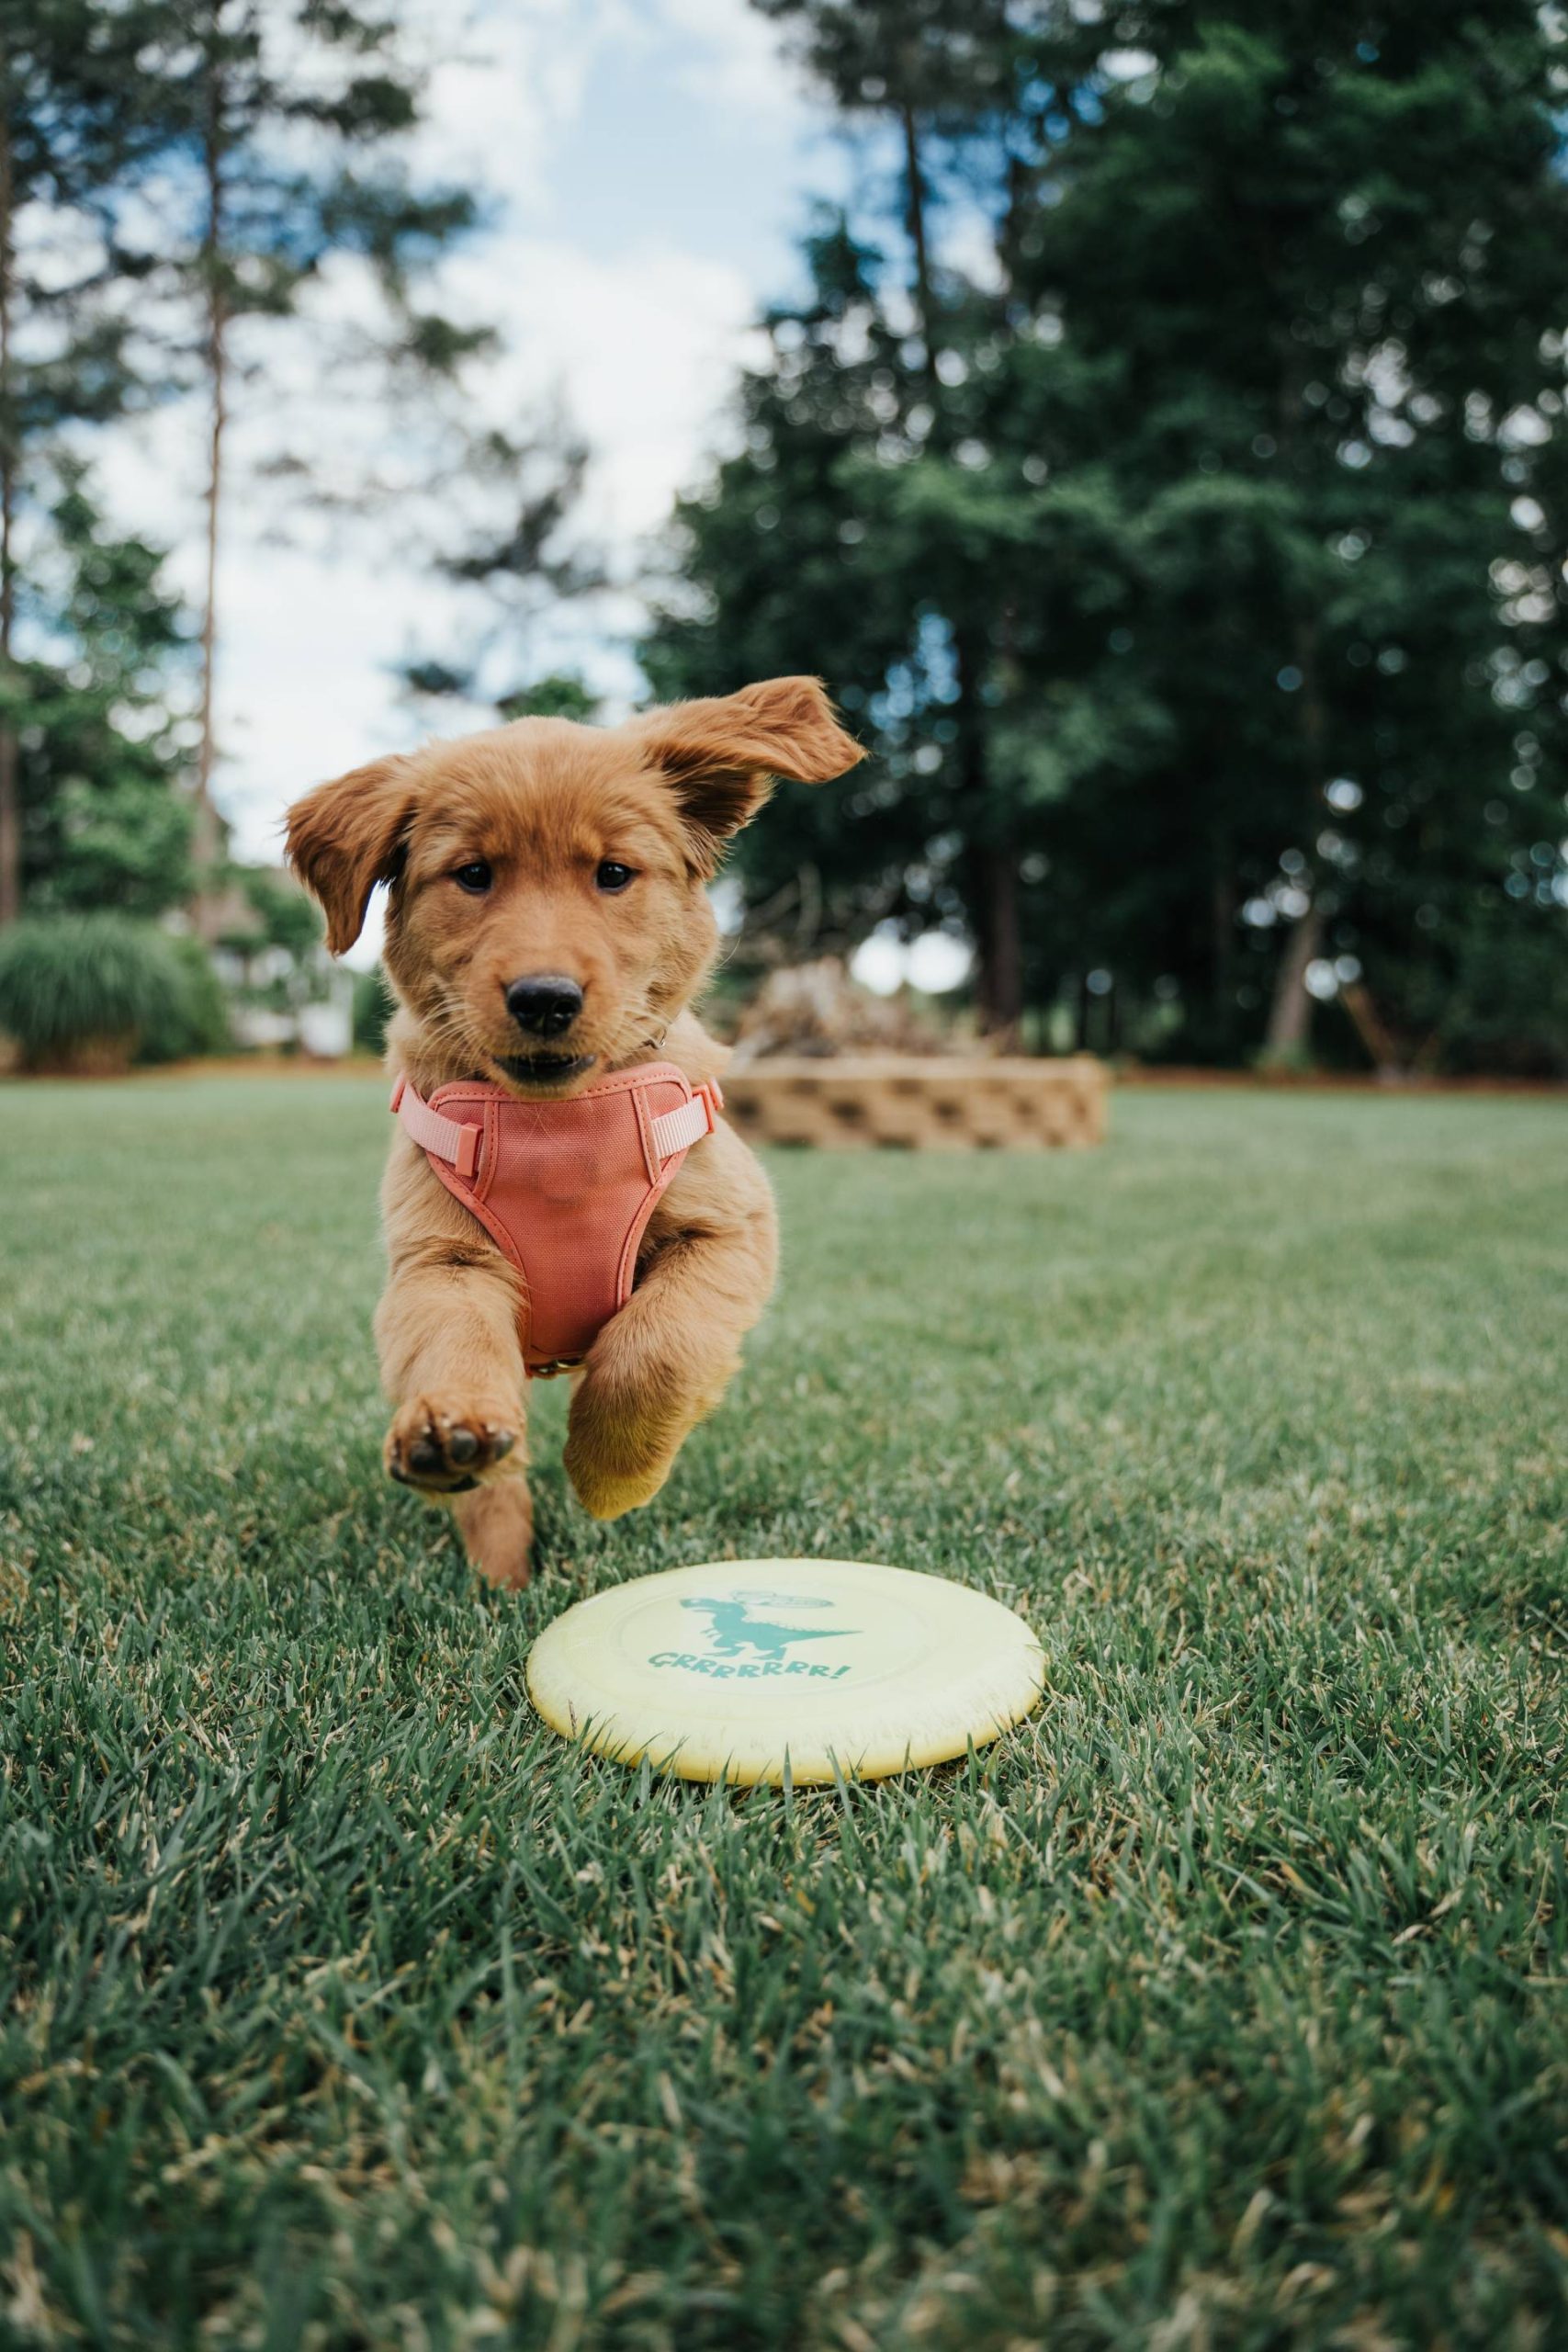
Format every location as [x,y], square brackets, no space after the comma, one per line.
[79,992]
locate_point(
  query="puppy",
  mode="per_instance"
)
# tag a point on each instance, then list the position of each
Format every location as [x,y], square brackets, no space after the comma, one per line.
[548,926]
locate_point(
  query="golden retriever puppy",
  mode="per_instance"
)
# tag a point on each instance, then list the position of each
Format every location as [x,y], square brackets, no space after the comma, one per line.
[547,927]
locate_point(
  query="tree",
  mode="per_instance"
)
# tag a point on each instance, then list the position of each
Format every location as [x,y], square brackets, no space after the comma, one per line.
[873,436]
[1310,253]
[1192,556]
[71,133]
[100,721]
[280,124]
[774,570]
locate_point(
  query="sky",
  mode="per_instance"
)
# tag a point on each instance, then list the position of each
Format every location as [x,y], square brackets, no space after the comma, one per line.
[649,165]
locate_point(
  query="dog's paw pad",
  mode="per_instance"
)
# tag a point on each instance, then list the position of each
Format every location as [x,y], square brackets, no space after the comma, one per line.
[444,1452]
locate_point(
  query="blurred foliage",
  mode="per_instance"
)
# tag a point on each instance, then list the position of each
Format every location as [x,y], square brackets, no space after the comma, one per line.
[287,918]
[1501,1005]
[374,1005]
[174,180]
[522,571]
[98,725]
[562,695]
[1192,560]
[88,989]
[74,140]
[198,1023]
[272,944]
[1166,464]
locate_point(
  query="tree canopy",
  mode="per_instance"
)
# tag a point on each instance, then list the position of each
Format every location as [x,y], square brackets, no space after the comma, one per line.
[1166,469]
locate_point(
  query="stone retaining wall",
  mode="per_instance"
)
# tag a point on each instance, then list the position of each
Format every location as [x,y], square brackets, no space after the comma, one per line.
[916,1106]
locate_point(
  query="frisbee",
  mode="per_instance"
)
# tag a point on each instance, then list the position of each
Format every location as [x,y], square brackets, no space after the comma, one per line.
[760,1670]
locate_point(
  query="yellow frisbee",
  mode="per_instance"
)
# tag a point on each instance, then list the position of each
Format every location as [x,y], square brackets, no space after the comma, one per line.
[744,1670]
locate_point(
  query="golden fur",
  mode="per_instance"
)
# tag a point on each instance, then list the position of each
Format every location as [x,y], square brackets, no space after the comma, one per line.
[542,806]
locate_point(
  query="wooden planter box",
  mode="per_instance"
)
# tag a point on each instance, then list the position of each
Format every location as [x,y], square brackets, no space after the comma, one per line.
[910,1105]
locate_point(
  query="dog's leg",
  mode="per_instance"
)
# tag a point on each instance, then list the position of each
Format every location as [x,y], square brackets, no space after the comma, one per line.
[497,1527]
[446,1327]
[664,1362]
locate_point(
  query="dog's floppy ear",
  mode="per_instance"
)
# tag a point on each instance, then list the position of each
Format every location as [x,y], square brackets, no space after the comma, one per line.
[348,836]
[721,754]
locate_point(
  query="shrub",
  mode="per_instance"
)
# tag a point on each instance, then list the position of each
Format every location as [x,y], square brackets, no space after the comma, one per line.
[1506,1010]
[374,1005]
[200,1023]
[79,991]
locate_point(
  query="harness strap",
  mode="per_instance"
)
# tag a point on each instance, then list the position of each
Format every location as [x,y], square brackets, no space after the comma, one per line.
[446,1138]
[676,1130]
[458,1143]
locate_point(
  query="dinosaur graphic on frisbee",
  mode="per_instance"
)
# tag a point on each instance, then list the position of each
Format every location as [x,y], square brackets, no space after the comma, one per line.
[763,1671]
[734,1629]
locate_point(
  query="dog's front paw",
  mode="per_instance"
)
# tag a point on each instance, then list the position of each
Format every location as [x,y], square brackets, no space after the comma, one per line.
[443,1446]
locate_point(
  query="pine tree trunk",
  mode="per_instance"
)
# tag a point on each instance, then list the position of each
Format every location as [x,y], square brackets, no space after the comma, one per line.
[992,868]
[207,833]
[206,842]
[915,221]
[1289,1014]
[10,750]
[207,754]
[1288,1029]
[1373,1031]
[992,892]
[999,979]
[1222,937]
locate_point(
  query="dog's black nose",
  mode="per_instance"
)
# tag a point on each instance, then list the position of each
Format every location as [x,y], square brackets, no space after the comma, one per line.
[544,1003]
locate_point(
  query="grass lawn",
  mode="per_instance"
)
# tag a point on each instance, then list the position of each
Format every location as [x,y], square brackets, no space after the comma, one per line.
[1225,2005]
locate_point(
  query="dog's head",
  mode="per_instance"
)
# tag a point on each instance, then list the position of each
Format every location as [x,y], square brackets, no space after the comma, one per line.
[547,913]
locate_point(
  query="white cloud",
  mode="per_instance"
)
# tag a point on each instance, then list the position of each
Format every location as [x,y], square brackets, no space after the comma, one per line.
[502,88]
[642,347]
[737,61]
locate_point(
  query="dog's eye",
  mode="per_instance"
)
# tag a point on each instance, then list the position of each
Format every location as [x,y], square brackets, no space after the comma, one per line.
[475,878]
[612,876]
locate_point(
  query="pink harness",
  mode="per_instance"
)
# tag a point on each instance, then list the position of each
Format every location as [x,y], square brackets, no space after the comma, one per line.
[564,1188]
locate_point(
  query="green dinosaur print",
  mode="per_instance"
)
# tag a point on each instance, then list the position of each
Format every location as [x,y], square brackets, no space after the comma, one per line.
[734,1629]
